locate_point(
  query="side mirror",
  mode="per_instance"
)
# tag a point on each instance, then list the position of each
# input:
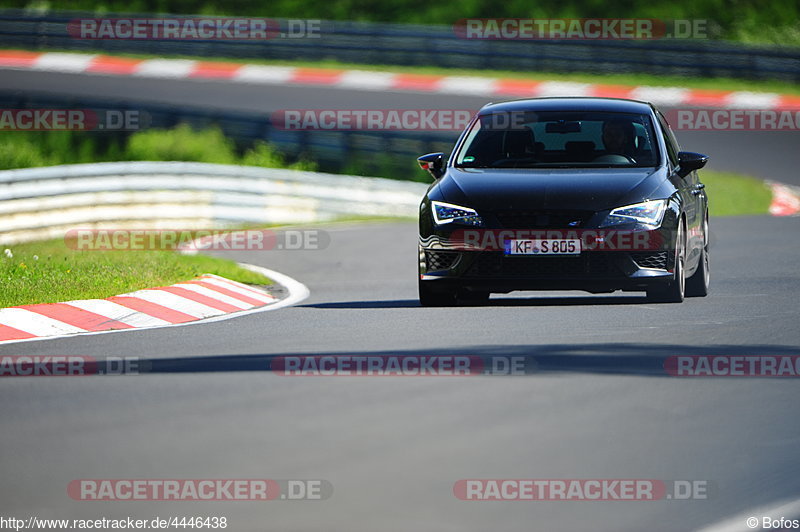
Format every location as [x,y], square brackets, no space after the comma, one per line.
[689,161]
[433,163]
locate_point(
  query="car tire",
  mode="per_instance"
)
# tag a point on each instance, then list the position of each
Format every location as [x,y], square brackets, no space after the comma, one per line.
[430,297]
[675,290]
[697,284]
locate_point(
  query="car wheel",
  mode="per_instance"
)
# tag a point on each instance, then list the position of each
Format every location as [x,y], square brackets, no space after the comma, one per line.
[430,297]
[675,290]
[697,284]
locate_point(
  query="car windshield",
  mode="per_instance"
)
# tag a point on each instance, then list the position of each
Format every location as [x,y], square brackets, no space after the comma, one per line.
[558,139]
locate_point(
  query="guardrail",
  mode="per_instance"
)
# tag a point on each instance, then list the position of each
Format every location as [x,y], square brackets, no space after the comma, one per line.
[400,44]
[38,203]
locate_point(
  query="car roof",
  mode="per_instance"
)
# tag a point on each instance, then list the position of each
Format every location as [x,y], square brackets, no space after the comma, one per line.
[614,105]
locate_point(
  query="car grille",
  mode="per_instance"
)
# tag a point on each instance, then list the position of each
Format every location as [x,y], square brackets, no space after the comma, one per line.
[440,260]
[516,219]
[650,259]
[499,265]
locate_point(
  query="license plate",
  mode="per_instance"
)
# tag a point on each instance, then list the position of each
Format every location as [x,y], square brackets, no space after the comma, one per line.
[544,246]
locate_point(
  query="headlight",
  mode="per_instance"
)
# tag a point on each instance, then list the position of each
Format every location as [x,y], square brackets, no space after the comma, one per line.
[647,213]
[445,213]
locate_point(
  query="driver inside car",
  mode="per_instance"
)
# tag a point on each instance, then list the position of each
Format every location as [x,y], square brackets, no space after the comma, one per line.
[619,138]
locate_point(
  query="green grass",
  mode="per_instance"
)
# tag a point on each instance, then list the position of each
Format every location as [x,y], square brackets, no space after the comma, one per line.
[731,194]
[49,272]
[724,84]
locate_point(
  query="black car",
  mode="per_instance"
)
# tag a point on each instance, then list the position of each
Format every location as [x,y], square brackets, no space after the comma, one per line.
[588,194]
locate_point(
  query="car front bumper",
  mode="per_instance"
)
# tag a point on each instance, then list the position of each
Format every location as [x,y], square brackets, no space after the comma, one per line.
[447,264]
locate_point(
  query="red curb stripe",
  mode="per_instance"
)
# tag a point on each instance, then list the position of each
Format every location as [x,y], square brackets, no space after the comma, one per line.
[789,102]
[208,69]
[701,97]
[610,91]
[106,64]
[153,309]
[416,82]
[10,333]
[200,298]
[317,76]
[77,317]
[516,87]
[784,201]
[245,287]
[12,58]
[241,297]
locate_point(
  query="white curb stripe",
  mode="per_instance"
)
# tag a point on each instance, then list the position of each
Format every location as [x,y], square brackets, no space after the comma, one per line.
[369,80]
[63,62]
[165,68]
[563,88]
[467,85]
[177,303]
[660,95]
[753,100]
[115,311]
[202,290]
[264,74]
[365,80]
[239,289]
[32,323]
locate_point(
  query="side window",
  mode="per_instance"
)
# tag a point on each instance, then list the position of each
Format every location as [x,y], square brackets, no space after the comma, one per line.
[669,139]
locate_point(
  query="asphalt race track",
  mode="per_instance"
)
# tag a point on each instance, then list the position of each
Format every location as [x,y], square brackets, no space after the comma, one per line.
[596,403]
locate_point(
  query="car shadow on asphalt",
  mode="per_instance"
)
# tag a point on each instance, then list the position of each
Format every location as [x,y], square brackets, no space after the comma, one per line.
[638,359]
[496,301]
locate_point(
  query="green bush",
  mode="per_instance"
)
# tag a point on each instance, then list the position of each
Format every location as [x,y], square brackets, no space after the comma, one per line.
[181,144]
[17,151]
[29,149]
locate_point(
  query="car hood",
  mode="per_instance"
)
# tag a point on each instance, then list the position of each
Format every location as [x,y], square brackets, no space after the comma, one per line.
[593,189]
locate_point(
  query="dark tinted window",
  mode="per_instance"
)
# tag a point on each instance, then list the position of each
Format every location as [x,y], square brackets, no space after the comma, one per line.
[559,139]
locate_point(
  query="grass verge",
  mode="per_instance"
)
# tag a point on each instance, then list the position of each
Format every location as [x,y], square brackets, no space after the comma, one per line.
[49,272]
[731,194]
